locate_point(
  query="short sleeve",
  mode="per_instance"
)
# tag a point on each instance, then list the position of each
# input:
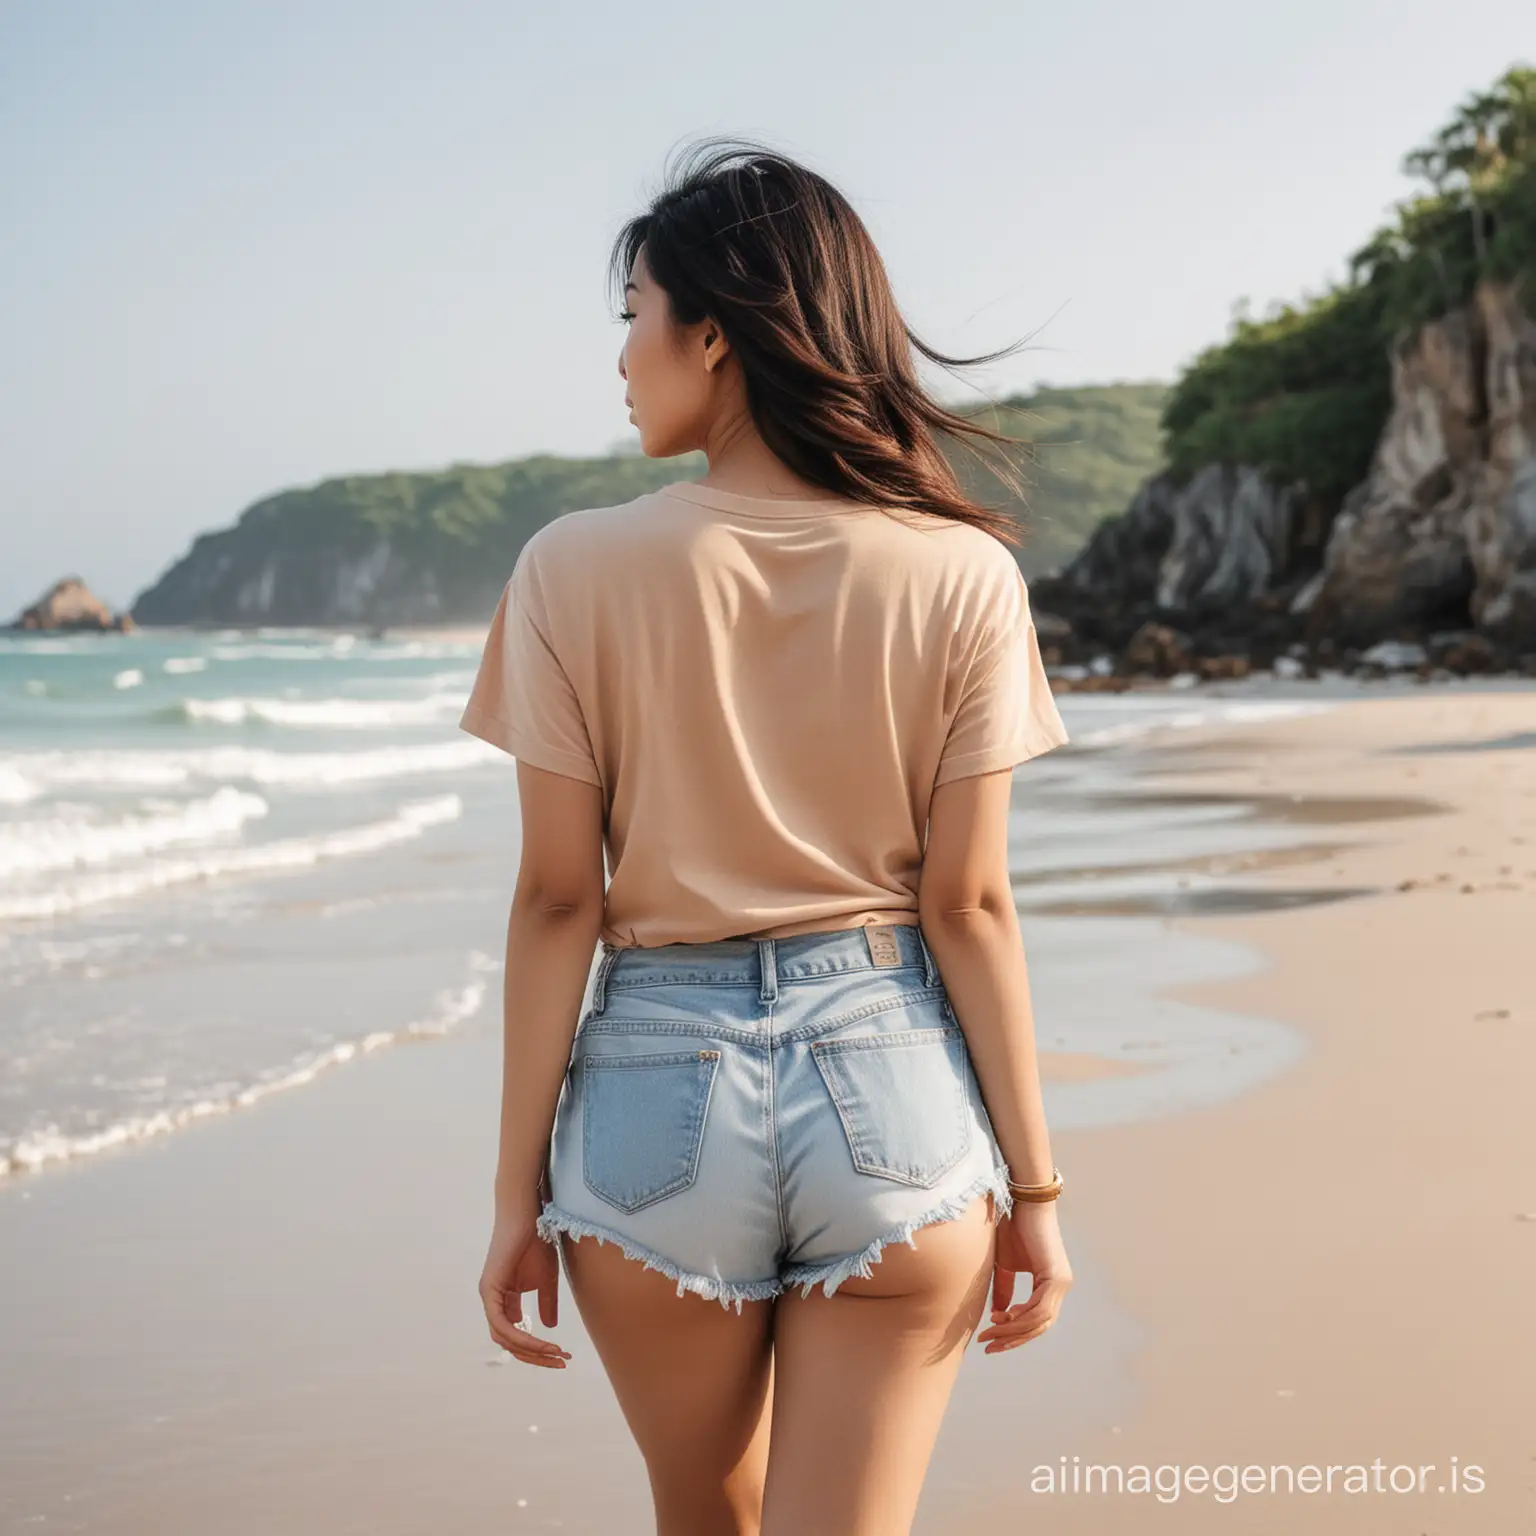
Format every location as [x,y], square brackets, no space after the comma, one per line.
[1006,714]
[522,700]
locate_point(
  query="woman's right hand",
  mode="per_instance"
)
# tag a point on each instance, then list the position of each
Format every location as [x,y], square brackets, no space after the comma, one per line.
[1028,1242]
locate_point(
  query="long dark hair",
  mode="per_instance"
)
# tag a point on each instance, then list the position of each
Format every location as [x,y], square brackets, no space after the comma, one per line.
[777,257]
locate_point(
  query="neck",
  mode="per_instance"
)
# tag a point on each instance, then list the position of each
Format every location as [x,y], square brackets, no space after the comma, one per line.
[742,463]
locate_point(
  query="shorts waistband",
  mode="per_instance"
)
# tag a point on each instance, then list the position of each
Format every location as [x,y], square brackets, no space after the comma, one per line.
[766,962]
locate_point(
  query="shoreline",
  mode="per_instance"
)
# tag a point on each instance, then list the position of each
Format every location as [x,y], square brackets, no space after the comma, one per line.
[1336,1266]
[1066,679]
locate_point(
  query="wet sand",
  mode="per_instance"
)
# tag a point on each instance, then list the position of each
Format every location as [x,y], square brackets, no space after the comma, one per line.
[1338,1266]
[1082,1067]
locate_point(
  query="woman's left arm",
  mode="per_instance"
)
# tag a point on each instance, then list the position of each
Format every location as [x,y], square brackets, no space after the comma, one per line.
[552,931]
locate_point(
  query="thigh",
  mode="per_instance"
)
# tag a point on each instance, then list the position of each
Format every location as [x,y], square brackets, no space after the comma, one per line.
[863,1377]
[693,1380]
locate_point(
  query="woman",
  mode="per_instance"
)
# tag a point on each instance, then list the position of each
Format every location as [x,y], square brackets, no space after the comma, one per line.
[787,699]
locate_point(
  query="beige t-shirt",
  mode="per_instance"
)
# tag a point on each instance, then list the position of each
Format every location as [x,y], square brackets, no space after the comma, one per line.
[767,692]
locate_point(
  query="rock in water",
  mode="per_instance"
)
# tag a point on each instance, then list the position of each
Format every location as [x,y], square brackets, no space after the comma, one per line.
[70,604]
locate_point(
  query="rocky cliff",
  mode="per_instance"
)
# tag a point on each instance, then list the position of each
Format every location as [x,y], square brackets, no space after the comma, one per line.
[1435,548]
[1444,529]
[238,581]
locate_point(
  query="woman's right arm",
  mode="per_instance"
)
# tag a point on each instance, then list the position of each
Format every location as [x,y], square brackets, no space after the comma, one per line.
[966,907]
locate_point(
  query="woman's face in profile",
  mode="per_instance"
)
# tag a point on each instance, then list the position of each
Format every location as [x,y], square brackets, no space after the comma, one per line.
[663,366]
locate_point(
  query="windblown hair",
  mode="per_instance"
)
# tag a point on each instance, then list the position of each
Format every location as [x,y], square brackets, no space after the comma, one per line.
[777,257]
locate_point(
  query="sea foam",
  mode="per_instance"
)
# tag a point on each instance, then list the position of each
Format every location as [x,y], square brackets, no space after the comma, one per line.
[79,839]
[285,854]
[311,714]
[25,775]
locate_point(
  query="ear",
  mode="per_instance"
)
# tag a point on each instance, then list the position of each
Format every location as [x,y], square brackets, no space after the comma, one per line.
[716,347]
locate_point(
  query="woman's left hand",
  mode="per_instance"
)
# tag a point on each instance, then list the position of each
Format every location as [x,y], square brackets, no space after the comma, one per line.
[520,1260]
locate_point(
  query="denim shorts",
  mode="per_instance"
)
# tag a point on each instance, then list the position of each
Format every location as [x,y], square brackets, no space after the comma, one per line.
[750,1114]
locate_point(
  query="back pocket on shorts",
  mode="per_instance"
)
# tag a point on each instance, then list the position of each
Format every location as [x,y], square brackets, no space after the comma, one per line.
[643,1124]
[902,1101]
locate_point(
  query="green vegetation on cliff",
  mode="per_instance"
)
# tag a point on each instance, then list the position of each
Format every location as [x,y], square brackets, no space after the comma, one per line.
[1305,392]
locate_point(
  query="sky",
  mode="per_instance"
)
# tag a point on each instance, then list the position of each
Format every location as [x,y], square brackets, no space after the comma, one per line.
[247,245]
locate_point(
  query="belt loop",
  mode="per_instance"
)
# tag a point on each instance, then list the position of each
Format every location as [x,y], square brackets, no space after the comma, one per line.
[600,985]
[769,971]
[931,975]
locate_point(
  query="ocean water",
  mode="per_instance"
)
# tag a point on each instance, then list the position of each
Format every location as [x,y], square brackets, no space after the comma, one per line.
[233,862]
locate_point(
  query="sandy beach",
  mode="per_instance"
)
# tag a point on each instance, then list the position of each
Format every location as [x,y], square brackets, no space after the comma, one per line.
[270,1320]
[1339,1266]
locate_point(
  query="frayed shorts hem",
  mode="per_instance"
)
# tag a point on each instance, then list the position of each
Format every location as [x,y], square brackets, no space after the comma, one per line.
[829,1275]
[727,1292]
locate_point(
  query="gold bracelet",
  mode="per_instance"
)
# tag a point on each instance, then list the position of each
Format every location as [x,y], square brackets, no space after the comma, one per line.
[1038,1192]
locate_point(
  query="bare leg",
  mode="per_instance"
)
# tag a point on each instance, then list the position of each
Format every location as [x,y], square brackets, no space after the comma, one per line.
[694,1382]
[862,1379]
